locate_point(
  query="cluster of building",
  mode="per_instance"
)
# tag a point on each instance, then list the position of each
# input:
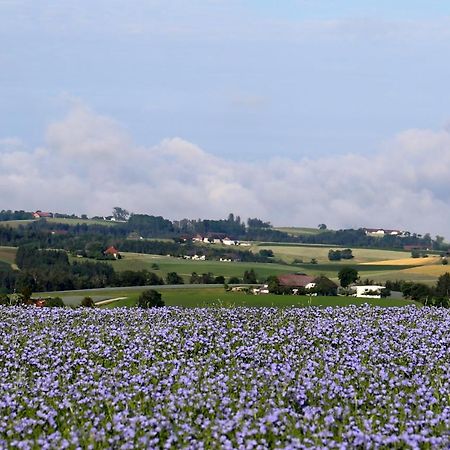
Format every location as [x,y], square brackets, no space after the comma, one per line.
[217,238]
[299,283]
[195,257]
[381,232]
[42,215]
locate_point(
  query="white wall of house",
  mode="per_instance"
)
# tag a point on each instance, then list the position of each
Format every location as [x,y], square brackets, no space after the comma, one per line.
[363,291]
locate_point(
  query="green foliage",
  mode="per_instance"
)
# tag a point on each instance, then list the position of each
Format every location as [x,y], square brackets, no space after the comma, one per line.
[443,285]
[417,291]
[268,253]
[87,302]
[120,213]
[273,284]
[4,300]
[347,275]
[137,278]
[150,299]
[337,255]
[258,223]
[234,280]
[174,278]
[249,277]
[54,302]
[220,279]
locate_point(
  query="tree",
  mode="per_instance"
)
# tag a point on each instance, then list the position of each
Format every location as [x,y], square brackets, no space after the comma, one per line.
[443,285]
[439,241]
[258,223]
[195,278]
[54,302]
[273,284]
[174,278]
[347,275]
[220,279]
[150,299]
[120,213]
[87,302]
[234,280]
[249,277]
[267,253]
[334,255]
[322,226]
[417,291]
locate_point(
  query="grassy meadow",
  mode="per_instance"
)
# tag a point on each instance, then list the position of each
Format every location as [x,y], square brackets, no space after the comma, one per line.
[289,253]
[8,254]
[298,231]
[70,221]
[15,223]
[212,296]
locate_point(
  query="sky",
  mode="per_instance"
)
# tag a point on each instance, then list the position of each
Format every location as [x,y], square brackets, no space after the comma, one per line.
[299,112]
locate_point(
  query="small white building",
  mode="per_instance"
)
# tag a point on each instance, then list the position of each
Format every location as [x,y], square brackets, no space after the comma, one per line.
[369,291]
[228,241]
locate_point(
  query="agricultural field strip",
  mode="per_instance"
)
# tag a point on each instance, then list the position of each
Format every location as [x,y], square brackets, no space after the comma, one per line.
[111,300]
[8,254]
[356,377]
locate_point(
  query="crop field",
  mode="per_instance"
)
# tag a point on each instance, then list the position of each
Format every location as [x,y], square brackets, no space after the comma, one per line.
[70,221]
[296,231]
[8,254]
[206,296]
[306,252]
[184,267]
[356,377]
[408,261]
[15,223]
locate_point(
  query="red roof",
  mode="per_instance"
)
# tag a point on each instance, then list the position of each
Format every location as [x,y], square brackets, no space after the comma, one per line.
[111,250]
[294,280]
[40,213]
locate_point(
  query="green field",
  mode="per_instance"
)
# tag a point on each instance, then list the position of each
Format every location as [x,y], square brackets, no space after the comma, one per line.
[8,254]
[306,252]
[298,231]
[15,223]
[70,221]
[139,261]
[207,296]
[185,267]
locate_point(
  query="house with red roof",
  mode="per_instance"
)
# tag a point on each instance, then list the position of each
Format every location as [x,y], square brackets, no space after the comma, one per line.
[41,214]
[112,251]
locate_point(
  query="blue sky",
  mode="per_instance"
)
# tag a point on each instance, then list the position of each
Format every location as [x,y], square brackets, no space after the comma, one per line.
[245,81]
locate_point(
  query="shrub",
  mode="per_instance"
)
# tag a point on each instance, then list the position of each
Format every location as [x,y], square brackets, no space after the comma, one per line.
[87,302]
[54,302]
[150,299]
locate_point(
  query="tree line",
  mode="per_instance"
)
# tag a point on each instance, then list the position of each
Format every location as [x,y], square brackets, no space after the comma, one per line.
[150,226]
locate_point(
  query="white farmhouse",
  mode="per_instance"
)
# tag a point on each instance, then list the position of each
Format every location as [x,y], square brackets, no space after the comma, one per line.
[369,291]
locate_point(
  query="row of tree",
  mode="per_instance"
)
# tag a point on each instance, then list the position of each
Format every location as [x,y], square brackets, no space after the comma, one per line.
[149,226]
[436,295]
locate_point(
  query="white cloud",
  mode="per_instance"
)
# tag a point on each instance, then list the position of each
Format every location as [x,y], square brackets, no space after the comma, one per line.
[89,164]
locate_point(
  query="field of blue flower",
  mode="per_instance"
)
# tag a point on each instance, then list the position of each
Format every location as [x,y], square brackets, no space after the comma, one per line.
[356,377]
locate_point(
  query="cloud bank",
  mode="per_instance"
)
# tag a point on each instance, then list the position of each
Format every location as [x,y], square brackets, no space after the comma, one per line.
[89,164]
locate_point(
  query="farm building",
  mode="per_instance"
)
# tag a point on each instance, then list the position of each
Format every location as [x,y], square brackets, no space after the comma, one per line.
[370,291]
[296,281]
[41,214]
[112,251]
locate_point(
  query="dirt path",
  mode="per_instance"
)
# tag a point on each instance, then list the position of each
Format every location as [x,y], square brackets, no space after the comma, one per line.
[110,300]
